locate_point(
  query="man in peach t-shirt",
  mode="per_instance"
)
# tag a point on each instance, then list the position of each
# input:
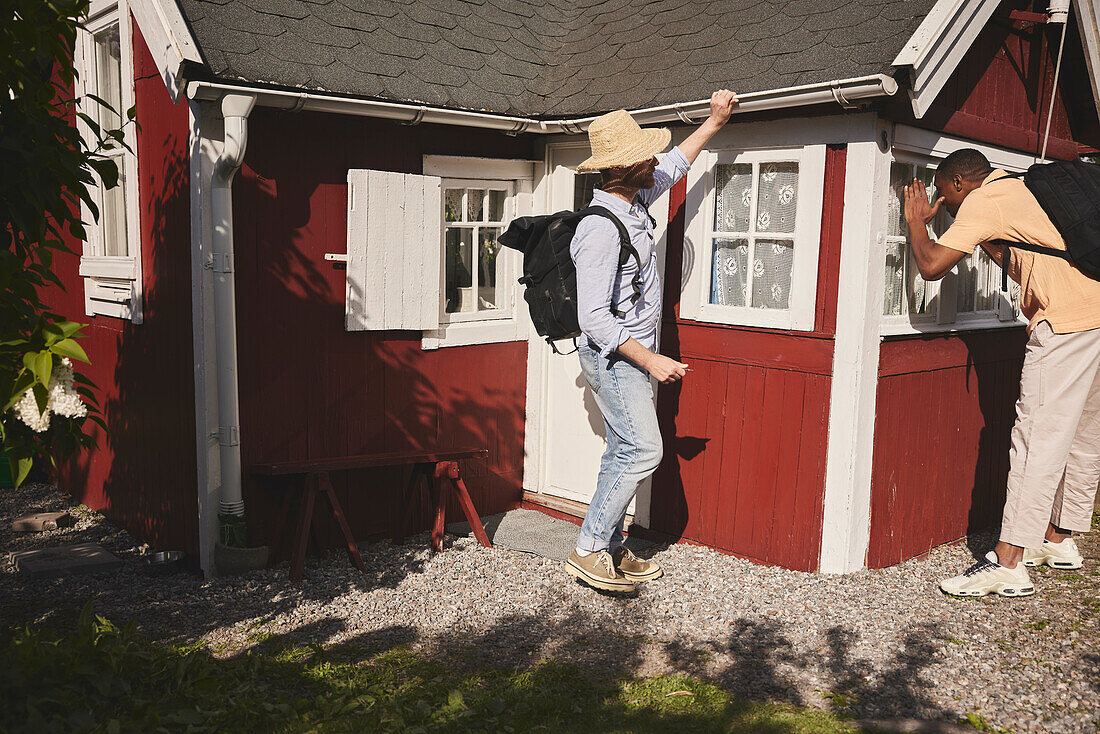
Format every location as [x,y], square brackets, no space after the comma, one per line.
[1054,459]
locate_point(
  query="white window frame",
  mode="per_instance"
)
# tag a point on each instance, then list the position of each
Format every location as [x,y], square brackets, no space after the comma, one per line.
[699,233]
[508,322]
[112,284]
[923,147]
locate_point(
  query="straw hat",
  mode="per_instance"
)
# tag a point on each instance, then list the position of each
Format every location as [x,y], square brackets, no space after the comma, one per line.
[617,140]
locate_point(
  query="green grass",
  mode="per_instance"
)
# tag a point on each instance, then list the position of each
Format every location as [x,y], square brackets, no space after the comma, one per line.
[978,722]
[103,678]
[1038,625]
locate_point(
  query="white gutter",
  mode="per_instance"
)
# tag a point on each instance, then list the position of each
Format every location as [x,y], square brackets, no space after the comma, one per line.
[845,92]
[235,109]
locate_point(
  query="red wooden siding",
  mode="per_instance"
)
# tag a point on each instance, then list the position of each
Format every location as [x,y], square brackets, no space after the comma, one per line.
[745,433]
[1000,92]
[944,416]
[308,388]
[143,473]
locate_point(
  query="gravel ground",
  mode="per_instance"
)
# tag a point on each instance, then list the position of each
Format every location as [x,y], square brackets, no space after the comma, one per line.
[875,644]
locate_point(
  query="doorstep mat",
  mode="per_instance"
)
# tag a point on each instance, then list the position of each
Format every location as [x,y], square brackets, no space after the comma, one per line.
[530,531]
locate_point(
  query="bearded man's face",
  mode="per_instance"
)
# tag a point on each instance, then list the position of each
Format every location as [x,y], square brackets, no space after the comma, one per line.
[636,176]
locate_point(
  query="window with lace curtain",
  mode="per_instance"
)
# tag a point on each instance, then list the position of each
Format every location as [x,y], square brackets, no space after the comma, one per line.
[751,246]
[967,297]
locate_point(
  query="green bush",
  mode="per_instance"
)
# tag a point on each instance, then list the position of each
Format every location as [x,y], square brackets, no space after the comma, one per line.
[48,169]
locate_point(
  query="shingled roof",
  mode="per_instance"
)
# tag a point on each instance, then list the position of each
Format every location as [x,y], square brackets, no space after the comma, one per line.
[548,58]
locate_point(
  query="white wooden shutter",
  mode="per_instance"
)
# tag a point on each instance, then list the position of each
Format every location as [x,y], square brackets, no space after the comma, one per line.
[394,251]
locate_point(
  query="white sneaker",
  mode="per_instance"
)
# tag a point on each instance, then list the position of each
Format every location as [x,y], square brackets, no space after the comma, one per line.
[990,577]
[1056,555]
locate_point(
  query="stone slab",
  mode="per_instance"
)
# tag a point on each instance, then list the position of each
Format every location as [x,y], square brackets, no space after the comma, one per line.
[531,531]
[65,560]
[36,522]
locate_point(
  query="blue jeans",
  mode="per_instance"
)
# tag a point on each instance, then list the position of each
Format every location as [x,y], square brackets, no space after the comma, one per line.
[624,394]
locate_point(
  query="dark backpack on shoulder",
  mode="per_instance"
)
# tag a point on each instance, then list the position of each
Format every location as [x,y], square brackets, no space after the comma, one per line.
[549,275]
[1069,193]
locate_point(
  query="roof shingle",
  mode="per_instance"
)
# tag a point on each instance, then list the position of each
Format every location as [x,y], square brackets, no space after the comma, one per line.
[549,57]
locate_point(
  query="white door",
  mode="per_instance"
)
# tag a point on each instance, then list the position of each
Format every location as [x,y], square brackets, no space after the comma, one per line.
[564,430]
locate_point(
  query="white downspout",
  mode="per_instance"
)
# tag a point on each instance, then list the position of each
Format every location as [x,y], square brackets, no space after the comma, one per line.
[235,109]
[1059,13]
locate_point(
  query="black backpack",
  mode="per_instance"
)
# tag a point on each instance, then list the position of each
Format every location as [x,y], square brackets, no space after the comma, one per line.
[1069,193]
[549,275]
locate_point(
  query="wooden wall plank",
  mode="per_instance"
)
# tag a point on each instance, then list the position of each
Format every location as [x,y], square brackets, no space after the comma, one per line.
[767,461]
[792,423]
[730,449]
[712,454]
[939,474]
[747,473]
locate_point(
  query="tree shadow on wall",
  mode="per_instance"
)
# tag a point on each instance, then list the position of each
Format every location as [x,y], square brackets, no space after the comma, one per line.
[998,387]
[310,389]
[150,483]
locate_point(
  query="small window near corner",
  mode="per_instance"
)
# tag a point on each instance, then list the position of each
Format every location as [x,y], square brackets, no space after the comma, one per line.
[111,257]
[969,297]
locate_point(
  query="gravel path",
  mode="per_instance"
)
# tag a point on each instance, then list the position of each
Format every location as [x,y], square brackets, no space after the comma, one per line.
[875,644]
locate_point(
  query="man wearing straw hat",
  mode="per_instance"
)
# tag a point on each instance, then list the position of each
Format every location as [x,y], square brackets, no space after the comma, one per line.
[618,350]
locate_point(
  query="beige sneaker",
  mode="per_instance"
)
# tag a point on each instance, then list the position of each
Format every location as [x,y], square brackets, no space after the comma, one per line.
[990,577]
[1056,555]
[634,568]
[598,571]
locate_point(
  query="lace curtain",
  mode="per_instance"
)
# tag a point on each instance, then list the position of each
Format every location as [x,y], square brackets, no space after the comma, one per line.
[755,211]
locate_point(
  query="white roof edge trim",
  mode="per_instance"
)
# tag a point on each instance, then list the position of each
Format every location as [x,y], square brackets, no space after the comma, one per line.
[169,40]
[939,44]
[1089,24]
[845,92]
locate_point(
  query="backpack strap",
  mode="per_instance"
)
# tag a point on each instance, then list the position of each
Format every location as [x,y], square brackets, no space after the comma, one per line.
[1009,245]
[626,250]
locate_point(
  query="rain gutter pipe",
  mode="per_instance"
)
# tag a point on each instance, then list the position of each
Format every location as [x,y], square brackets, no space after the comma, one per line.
[235,109]
[1059,14]
[845,92]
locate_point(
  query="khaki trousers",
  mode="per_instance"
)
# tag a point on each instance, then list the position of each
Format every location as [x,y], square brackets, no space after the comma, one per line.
[1054,460]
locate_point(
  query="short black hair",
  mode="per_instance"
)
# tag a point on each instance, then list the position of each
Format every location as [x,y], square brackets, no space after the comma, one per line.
[967,163]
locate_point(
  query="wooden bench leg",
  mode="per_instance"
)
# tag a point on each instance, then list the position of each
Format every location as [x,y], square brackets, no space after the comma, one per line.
[450,470]
[305,522]
[410,497]
[280,540]
[439,503]
[325,484]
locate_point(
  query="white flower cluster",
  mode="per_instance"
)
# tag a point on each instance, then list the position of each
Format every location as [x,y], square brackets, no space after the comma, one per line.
[63,400]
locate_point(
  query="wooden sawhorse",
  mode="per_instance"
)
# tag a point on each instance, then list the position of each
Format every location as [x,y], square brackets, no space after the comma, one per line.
[431,466]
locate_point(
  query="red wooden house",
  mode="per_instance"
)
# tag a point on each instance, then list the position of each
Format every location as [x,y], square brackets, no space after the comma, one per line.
[301,261]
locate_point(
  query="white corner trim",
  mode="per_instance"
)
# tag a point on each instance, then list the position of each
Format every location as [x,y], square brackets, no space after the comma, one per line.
[1088,21]
[939,44]
[846,516]
[169,40]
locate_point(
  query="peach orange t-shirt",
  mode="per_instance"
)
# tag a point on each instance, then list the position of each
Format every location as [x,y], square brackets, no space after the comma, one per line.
[1050,288]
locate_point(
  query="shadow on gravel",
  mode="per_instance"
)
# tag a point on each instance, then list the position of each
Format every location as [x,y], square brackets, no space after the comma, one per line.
[757,662]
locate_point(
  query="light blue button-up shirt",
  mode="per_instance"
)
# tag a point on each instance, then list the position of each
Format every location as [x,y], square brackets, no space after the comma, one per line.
[595,250]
